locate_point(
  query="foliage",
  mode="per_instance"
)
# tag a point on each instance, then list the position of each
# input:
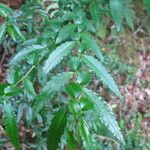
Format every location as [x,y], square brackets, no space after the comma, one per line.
[49,73]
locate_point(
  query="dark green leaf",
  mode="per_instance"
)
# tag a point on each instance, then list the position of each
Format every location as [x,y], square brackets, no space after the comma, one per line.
[71,142]
[73,89]
[2,88]
[147,5]
[85,104]
[95,12]
[12,90]
[10,122]
[83,78]
[56,129]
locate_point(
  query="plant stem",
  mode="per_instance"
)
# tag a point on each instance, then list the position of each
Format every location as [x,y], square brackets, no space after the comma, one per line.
[25,75]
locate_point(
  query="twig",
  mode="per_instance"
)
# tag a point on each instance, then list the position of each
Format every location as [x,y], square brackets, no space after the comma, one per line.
[25,75]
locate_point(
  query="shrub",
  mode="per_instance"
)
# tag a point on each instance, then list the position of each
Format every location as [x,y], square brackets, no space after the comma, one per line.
[49,79]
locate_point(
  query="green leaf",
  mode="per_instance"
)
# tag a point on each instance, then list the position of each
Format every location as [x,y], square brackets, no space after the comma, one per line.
[28,115]
[129,13]
[13,75]
[10,122]
[2,88]
[74,107]
[71,142]
[50,89]
[104,113]
[12,90]
[83,78]
[5,10]
[75,63]
[65,32]
[17,30]
[57,56]
[85,104]
[116,8]
[2,32]
[73,89]
[102,74]
[147,5]
[90,42]
[25,52]
[85,135]
[95,13]
[29,89]
[56,129]
[10,31]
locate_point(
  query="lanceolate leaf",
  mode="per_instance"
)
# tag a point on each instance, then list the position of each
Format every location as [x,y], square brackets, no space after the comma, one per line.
[5,10]
[102,74]
[85,135]
[10,122]
[17,30]
[91,44]
[129,13]
[65,32]
[116,8]
[50,89]
[2,88]
[147,5]
[105,114]
[25,52]
[57,56]
[56,129]
[95,12]
[2,32]
[28,88]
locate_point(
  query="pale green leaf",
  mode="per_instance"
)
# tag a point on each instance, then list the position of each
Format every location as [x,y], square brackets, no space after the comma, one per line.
[102,73]
[116,8]
[65,32]
[85,135]
[28,88]
[104,113]
[57,56]
[5,10]
[2,32]
[25,52]
[51,88]
[91,44]
[129,13]
[10,122]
